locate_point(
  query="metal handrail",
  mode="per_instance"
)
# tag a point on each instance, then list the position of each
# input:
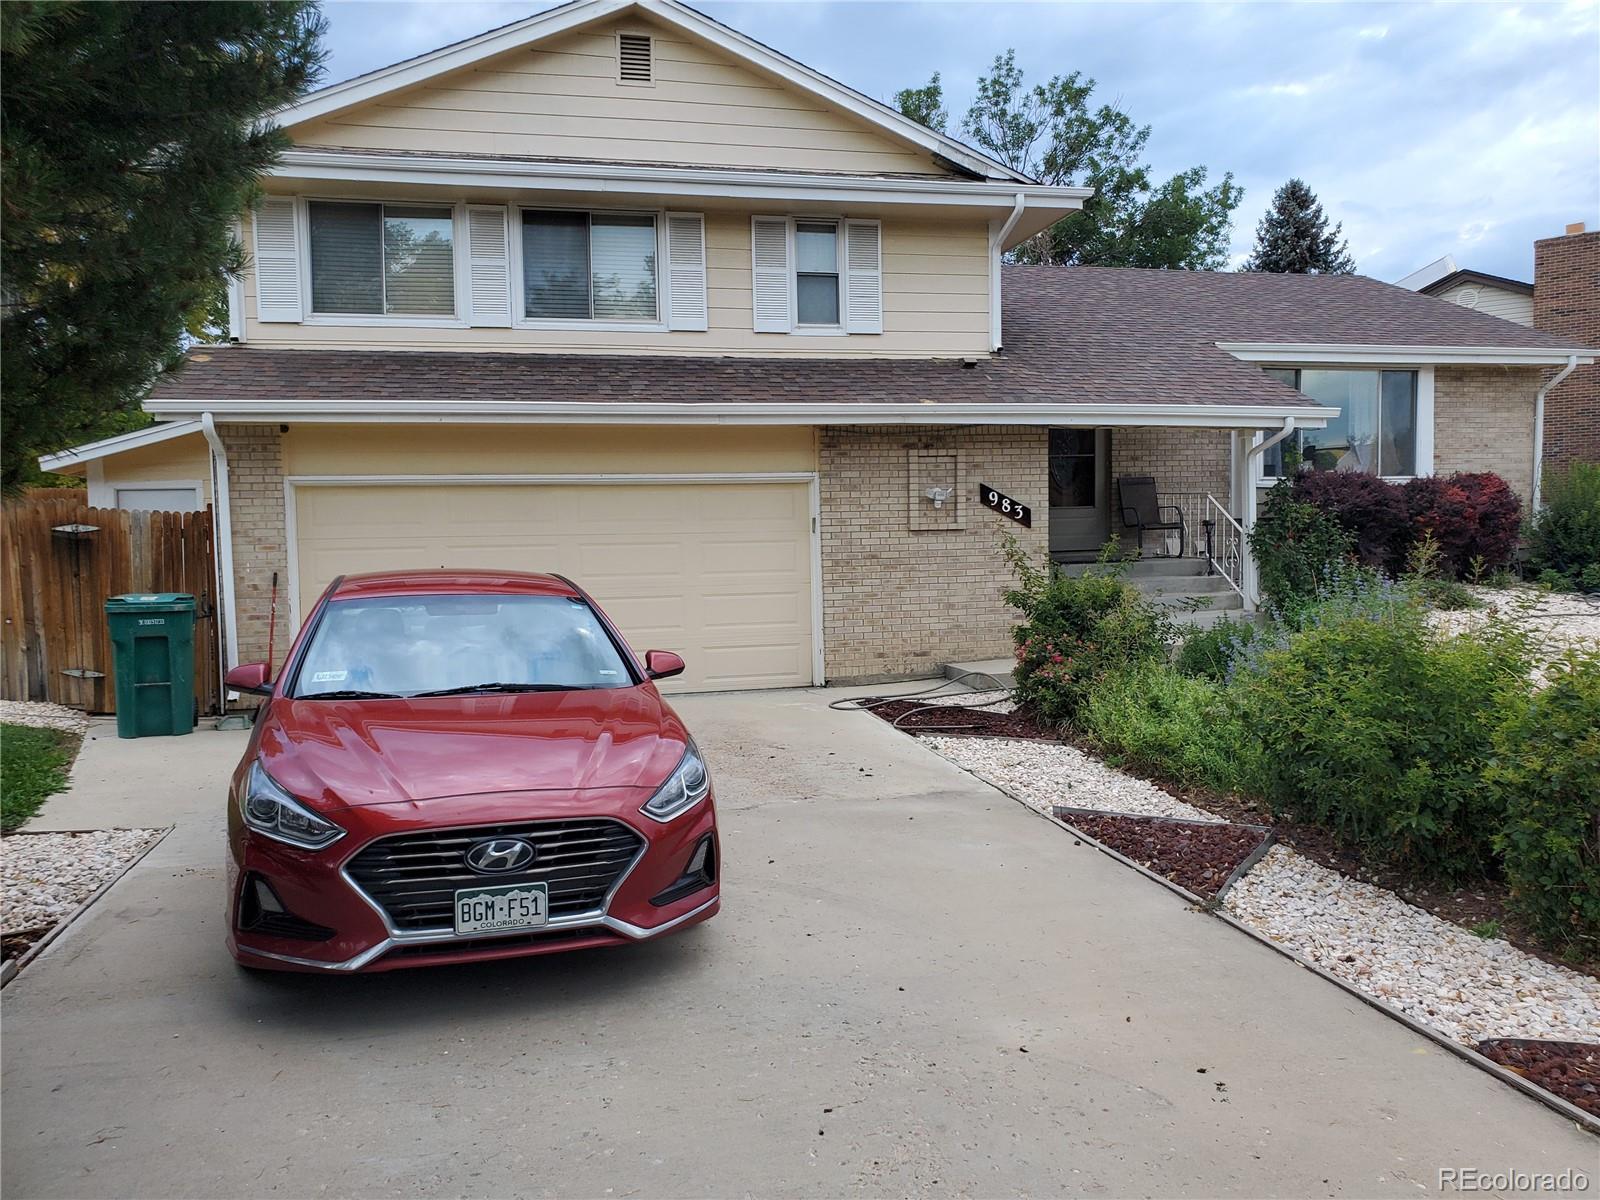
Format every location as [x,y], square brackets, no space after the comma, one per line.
[1225,544]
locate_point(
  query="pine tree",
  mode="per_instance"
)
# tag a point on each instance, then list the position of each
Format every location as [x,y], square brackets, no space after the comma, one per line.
[133,136]
[1293,237]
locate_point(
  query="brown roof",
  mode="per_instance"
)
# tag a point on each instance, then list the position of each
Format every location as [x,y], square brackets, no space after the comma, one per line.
[1073,335]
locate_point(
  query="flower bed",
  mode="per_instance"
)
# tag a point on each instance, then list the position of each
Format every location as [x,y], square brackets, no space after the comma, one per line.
[1198,856]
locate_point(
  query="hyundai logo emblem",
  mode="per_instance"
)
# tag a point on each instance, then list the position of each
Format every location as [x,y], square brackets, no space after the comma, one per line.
[499,855]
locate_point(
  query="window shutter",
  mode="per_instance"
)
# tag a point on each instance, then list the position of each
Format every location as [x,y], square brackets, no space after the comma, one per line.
[686,271]
[488,266]
[770,273]
[863,290]
[277,260]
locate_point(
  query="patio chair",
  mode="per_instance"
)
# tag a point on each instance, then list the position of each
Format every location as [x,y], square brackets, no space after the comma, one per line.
[1142,510]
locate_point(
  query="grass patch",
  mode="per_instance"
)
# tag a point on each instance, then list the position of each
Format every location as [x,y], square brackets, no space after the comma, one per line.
[33,767]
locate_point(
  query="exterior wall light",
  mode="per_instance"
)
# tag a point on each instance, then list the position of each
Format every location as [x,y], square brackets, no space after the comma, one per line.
[939,495]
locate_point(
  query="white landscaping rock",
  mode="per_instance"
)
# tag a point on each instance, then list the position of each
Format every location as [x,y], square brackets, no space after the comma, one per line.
[1469,988]
[1043,774]
[42,716]
[1556,621]
[993,701]
[44,877]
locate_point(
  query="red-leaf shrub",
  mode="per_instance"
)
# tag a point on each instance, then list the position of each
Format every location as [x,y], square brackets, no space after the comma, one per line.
[1474,518]
[1371,510]
[1499,512]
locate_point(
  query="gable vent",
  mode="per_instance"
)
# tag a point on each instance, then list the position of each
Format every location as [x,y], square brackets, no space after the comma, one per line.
[633,57]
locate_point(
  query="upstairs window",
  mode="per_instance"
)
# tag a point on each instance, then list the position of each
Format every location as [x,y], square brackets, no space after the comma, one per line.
[1375,431]
[816,280]
[579,266]
[381,259]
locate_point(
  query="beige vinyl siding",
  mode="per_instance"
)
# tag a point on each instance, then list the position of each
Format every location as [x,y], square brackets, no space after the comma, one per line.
[564,100]
[1493,301]
[315,449]
[935,302]
[183,459]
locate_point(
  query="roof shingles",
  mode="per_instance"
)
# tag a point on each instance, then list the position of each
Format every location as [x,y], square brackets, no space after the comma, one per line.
[1073,335]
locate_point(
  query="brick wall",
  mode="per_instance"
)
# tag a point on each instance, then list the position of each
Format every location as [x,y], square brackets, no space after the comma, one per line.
[1483,421]
[905,589]
[1181,460]
[1566,301]
[255,481]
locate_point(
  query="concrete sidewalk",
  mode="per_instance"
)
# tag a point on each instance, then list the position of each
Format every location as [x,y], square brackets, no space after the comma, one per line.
[916,986]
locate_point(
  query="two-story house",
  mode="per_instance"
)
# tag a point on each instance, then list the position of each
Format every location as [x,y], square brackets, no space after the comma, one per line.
[619,292]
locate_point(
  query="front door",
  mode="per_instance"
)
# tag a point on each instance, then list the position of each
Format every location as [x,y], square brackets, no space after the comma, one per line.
[1080,491]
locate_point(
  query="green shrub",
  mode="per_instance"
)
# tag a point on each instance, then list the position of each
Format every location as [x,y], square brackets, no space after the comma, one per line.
[1370,723]
[1154,719]
[1547,771]
[1208,653]
[1076,630]
[1564,538]
[1296,547]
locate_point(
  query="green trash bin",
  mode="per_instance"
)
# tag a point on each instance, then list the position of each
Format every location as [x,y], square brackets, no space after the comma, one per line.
[152,642]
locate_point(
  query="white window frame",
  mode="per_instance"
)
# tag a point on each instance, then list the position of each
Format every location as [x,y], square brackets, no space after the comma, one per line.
[458,234]
[519,299]
[796,329]
[106,493]
[1425,427]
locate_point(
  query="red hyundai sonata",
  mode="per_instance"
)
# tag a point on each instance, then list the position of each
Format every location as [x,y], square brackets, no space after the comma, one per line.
[462,765]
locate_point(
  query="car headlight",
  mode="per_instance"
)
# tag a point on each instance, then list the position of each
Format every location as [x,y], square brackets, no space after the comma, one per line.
[688,784]
[268,809]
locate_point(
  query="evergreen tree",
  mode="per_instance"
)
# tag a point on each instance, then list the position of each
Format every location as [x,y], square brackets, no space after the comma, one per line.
[1051,132]
[924,105]
[1294,239]
[133,136]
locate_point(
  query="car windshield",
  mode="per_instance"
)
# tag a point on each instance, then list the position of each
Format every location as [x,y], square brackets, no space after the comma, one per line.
[409,645]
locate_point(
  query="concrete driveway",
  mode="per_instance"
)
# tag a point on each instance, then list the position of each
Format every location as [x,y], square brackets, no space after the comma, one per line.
[916,986]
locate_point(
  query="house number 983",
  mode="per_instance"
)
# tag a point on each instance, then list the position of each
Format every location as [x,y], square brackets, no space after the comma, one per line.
[1005,505]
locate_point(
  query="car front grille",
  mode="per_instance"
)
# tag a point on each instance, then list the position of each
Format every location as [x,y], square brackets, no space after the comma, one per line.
[414,876]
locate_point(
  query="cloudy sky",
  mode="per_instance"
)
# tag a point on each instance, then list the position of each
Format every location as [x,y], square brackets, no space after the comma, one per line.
[1467,129]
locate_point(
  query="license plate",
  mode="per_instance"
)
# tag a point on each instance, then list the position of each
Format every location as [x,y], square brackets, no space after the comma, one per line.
[491,909]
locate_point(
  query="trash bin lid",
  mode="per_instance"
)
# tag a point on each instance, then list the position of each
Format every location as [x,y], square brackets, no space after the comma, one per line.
[168,600]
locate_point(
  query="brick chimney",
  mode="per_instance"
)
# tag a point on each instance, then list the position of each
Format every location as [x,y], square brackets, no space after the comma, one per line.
[1566,302]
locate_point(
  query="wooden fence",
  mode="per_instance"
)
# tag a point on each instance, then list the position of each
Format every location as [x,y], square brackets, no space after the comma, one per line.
[59,562]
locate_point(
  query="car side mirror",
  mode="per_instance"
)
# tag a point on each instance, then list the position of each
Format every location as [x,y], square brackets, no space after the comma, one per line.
[662,664]
[249,677]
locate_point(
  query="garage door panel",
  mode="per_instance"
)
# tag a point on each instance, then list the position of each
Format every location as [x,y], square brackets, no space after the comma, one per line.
[719,572]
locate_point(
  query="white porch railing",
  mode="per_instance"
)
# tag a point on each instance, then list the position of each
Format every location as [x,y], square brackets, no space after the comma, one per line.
[1225,545]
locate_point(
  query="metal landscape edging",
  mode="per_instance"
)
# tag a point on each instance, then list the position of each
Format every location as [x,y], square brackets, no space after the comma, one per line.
[14,967]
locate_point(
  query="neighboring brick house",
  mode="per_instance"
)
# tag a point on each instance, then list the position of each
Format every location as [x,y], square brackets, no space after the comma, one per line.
[619,292]
[1566,303]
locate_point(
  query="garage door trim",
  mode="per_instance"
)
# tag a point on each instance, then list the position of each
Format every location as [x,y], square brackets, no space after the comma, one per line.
[809,478]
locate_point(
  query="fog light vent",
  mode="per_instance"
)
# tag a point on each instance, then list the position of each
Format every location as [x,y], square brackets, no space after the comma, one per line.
[701,872]
[260,911]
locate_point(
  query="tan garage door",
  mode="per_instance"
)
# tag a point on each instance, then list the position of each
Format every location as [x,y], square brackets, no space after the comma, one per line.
[720,572]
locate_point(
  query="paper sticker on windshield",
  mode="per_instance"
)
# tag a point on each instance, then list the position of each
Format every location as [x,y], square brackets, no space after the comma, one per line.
[329,676]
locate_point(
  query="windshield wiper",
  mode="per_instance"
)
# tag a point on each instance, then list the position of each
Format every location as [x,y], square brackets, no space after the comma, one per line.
[350,694]
[468,689]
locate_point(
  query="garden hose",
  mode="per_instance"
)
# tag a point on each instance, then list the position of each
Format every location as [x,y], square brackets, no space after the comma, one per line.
[868,703]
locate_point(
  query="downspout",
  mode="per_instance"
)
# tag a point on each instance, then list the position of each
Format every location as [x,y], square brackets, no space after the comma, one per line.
[995,251]
[1252,456]
[1538,429]
[222,503]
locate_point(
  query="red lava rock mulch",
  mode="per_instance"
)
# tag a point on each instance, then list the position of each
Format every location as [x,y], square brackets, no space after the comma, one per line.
[1569,1069]
[1193,854]
[15,945]
[949,720]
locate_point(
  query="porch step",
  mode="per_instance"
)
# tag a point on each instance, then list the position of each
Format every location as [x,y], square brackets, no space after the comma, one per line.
[999,669]
[1182,602]
[1140,568]
[1205,618]
[1162,586]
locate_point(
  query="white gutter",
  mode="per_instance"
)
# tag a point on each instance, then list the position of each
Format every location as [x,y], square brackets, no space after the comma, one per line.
[422,412]
[223,534]
[526,175]
[1249,577]
[1415,354]
[997,245]
[1538,429]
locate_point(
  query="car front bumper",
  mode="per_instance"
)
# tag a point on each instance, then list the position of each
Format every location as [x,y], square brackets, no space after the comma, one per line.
[341,927]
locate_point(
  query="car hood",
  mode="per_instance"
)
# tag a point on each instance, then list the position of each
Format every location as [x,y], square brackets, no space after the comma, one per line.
[349,753]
